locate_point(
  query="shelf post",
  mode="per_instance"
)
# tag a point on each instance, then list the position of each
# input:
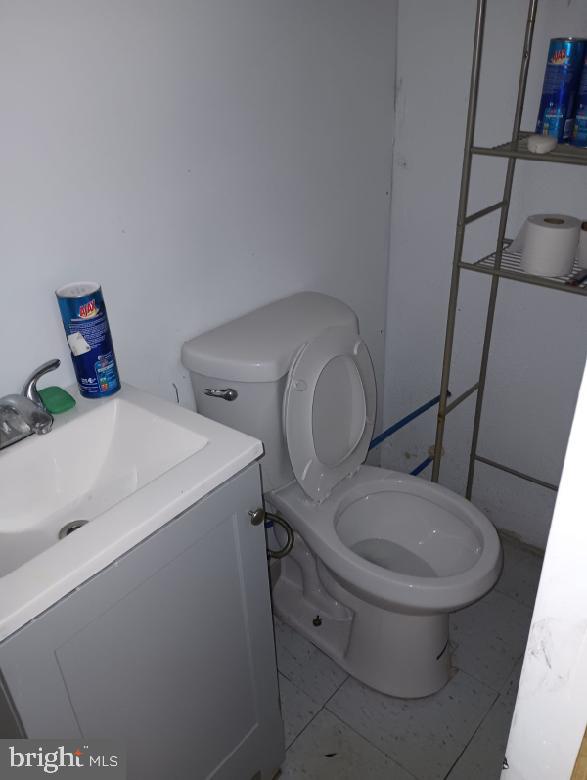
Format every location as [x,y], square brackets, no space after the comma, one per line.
[460,234]
[523,76]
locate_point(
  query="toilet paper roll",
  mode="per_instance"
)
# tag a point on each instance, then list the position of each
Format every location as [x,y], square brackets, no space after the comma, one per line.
[582,248]
[548,244]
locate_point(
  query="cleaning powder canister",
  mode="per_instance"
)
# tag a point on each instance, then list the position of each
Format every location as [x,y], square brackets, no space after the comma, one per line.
[579,136]
[561,80]
[88,334]
[548,243]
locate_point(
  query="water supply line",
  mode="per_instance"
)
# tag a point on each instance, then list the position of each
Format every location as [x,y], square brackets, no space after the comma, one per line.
[271,520]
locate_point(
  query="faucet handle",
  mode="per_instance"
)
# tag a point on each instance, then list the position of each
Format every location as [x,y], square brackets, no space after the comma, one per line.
[29,389]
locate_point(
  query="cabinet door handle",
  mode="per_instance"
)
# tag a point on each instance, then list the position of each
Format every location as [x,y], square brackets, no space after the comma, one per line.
[257,516]
[228,395]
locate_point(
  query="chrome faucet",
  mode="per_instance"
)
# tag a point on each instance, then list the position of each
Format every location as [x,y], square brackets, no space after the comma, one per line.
[21,415]
[29,389]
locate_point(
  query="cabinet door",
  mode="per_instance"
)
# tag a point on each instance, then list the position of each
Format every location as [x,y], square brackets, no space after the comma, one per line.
[171,649]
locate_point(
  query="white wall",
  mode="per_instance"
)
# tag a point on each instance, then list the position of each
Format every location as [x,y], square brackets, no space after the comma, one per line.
[550,717]
[539,340]
[198,158]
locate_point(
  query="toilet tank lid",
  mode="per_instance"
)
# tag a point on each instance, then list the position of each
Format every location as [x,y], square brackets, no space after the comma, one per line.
[260,345]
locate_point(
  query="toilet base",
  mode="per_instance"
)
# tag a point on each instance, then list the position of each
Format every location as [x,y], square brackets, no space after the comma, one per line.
[406,656]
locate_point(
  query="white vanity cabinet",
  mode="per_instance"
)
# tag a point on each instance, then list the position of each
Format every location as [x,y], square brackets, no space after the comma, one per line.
[169,649]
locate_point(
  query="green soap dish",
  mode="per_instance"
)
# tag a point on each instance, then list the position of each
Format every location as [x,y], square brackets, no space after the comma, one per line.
[56,399]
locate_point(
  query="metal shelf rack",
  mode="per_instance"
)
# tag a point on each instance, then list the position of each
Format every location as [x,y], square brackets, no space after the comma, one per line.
[502,262]
[518,149]
[510,269]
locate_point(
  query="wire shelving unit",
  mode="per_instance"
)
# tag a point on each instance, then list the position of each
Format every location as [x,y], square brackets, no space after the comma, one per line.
[502,262]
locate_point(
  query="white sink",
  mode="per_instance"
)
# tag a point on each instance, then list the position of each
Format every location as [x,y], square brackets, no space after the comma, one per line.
[126,465]
[80,471]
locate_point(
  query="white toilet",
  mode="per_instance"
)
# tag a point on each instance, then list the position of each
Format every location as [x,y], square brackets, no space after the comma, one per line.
[380,558]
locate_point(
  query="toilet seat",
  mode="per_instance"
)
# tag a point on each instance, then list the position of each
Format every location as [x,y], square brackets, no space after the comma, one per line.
[329,410]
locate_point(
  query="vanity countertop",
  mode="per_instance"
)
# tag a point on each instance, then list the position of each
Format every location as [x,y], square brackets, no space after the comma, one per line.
[128,464]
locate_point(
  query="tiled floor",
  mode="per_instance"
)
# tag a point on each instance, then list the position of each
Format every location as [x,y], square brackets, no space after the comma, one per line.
[338,728]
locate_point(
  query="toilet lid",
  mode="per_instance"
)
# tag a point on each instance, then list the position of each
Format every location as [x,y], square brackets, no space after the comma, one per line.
[329,409]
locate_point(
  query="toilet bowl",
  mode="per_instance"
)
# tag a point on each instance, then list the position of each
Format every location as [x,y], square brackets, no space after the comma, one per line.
[380,558]
[400,554]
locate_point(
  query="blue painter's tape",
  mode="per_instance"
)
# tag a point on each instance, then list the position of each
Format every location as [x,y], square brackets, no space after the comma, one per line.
[421,467]
[404,421]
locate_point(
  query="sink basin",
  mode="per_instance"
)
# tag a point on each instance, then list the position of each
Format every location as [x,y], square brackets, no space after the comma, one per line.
[80,471]
[119,468]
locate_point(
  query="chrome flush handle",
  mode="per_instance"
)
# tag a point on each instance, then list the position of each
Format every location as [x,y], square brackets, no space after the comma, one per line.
[228,394]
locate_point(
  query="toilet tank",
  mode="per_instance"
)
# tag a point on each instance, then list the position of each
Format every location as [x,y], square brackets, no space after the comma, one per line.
[252,355]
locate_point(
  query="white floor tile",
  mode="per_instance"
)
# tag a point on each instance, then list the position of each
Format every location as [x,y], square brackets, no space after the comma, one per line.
[521,574]
[490,636]
[425,736]
[329,750]
[483,757]
[510,688]
[307,667]
[297,709]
